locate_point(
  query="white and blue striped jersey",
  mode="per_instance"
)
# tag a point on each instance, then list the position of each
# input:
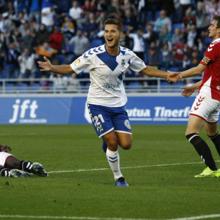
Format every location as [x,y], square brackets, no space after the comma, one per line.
[106,74]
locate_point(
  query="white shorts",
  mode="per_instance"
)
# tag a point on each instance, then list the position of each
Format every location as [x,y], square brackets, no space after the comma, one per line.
[206,107]
[3,157]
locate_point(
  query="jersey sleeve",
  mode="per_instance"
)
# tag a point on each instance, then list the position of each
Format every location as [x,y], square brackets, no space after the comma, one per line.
[211,54]
[81,64]
[136,63]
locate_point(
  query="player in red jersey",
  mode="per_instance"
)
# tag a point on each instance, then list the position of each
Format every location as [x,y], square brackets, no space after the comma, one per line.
[205,109]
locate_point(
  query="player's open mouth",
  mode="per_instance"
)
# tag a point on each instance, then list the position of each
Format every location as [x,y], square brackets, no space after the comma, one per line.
[109,40]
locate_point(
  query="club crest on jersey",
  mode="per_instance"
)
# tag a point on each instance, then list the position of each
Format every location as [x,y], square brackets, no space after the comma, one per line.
[123,62]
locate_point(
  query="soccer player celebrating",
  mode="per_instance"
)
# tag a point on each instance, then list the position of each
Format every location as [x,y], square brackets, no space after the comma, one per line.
[10,166]
[205,109]
[106,97]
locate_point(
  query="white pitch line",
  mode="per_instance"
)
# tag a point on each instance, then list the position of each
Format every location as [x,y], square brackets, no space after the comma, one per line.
[68,217]
[130,167]
[198,217]
[211,216]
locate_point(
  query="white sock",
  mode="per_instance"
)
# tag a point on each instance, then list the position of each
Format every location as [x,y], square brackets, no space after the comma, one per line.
[114,163]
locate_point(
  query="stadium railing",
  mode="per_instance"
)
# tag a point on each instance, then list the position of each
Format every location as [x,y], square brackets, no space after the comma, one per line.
[72,85]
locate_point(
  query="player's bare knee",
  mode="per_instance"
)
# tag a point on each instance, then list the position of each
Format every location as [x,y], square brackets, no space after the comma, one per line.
[112,144]
[126,146]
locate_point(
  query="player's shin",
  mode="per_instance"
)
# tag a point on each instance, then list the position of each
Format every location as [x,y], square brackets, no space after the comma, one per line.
[114,163]
[216,140]
[202,149]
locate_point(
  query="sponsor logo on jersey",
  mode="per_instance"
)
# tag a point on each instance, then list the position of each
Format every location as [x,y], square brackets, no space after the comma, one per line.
[77,62]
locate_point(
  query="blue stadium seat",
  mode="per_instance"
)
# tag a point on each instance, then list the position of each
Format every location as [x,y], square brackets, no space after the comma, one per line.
[177,26]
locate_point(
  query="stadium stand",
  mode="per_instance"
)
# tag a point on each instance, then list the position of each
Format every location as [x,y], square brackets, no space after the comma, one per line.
[172,32]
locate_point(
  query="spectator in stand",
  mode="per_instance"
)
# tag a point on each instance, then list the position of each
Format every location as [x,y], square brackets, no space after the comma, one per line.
[27,41]
[129,20]
[127,5]
[177,36]
[162,21]
[45,50]
[2,53]
[189,18]
[185,4]
[62,7]
[56,39]
[154,59]
[202,17]
[114,7]
[6,23]
[35,10]
[126,41]
[191,36]
[89,6]
[11,60]
[27,64]
[150,36]
[186,63]
[34,25]
[80,43]
[178,54]
[48,17]
[154,56]
[102,6]
[19,6]
[75,11]
[164,36]
[203,41]
[166,56]
[212,7]
[68,27]
[90,26]
[41,35]
[178,13]
[138,40]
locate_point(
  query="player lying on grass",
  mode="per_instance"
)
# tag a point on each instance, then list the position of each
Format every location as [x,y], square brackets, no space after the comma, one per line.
[10,166]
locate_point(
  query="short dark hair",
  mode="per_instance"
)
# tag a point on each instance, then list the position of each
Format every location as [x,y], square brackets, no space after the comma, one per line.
[217,18]
[115,21]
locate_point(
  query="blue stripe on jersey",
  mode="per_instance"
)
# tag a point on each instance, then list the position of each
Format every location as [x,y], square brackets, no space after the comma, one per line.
[109,60]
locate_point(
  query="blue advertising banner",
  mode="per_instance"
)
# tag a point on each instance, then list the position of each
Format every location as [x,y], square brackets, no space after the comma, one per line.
[159,109]
[72,110]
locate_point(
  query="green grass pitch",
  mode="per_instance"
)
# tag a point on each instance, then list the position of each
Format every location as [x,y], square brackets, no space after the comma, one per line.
[159,189]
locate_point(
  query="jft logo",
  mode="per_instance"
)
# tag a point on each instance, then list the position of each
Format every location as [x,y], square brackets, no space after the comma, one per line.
[24,109]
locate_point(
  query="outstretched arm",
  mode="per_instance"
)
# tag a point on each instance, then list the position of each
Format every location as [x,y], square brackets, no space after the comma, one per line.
[154,72]
[189,90]
[192,71]
[60,69]
[174,77]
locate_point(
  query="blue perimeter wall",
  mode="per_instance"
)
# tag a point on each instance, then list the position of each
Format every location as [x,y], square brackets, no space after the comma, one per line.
[57,109]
